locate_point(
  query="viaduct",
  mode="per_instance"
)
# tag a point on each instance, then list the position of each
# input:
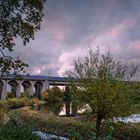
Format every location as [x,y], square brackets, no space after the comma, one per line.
[33,84]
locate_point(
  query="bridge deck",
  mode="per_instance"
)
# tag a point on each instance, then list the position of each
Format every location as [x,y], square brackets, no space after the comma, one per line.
[38,77]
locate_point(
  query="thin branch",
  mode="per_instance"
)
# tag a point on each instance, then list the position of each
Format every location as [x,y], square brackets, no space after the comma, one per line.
[5,55]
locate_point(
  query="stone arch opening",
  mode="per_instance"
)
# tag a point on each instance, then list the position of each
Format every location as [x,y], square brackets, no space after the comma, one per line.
[1,88]
[26,88]
[38,89]
[26,85]
[12,92]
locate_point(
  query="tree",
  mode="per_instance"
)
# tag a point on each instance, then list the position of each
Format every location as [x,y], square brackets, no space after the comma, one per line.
[55,94]
[19,19]
[104,84]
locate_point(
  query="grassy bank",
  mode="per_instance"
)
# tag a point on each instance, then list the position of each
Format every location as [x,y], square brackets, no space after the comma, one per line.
[76,129]
[16,131]
[62,126]
[13,103]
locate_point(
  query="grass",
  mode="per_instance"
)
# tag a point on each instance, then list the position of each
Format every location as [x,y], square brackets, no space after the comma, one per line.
[76,129]
[52,124]
[16,131]
[13,103]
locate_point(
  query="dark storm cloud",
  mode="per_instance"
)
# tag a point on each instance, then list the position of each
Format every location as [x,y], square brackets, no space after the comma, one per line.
[69,27]
[80,18]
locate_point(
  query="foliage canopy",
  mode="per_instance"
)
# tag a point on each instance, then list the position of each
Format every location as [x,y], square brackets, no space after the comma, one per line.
[104,84]
[19,19]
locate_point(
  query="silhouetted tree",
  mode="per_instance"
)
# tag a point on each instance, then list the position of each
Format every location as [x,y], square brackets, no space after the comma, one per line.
[18,19]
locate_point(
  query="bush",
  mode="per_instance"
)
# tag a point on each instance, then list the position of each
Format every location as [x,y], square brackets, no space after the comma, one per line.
[2,113]
[14,131]
[29,103]
[15,102]
[55,94]
[25,94]
[129,131]
[1,104]
[61,126]
[45,95]
[11,94]
[77,129]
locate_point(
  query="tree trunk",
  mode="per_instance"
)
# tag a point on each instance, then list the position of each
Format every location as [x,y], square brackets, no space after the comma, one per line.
[67,100]
[98,124]
[74,109]
[67,103]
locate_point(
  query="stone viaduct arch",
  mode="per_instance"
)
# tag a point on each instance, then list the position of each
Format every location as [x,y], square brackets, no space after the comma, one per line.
[38,88]
[33,84]
[26,85]
[14,85]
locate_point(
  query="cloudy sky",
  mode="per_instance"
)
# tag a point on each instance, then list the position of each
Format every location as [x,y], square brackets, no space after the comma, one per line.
[71,27]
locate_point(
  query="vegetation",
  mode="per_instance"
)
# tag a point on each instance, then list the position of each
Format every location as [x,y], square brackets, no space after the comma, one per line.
[134,99]
[16,131]
[104,85]
[75,129]
[25,94]
[53,95]
[19,19]
[13,103]
[51,108]
[45,95]
[11,94]
[52,124]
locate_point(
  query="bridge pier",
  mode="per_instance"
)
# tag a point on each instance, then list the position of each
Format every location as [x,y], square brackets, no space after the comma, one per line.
[3,93]
[18,90]
[33,84]
[45,85]
[31,91]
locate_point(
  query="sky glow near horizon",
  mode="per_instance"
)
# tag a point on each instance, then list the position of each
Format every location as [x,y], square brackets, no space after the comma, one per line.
[71,27]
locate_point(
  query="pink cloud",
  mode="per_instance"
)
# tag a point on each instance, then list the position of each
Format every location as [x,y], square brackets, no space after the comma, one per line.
[57,30]
[135,45]
[112,36]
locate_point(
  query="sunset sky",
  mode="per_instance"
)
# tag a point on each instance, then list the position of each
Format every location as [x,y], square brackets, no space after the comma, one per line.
[71,27]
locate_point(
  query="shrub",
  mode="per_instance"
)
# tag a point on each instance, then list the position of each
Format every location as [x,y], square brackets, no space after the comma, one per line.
[76,129]
[1,116]
[45,95]
[25,94]
[1,104]
[62,126]
[73,135]
[55,94]
[11,94]
[14,131]
[29,103]
[15,102]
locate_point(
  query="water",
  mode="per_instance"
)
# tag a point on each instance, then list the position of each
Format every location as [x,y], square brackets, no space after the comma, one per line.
[134,118]
[59,109]
[53,108]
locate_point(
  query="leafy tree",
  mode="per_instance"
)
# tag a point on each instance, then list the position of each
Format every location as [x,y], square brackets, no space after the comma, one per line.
[104,84]
[55,94]
[19,19]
